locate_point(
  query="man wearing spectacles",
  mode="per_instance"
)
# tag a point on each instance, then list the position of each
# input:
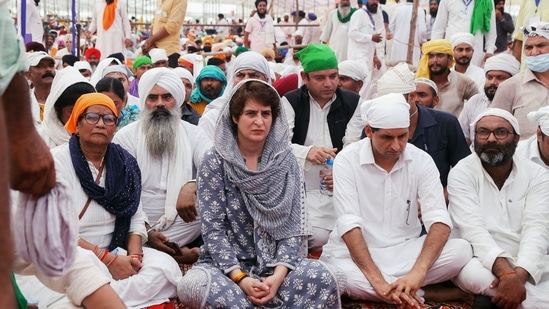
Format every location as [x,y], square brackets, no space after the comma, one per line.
[528,90]
[498,202]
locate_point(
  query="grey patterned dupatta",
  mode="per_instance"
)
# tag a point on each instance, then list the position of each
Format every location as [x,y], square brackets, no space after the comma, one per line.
[274,194]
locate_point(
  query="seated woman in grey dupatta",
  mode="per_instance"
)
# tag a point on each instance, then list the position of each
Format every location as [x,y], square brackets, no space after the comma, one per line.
[254,222]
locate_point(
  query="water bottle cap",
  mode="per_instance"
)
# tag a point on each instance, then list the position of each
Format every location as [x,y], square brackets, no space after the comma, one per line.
[330,161]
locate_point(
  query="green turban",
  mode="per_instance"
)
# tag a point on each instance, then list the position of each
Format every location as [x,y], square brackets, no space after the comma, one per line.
[317,57]
[141,61]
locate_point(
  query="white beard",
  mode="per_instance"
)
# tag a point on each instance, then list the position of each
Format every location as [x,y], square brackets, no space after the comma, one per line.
[344,11]
[160,131]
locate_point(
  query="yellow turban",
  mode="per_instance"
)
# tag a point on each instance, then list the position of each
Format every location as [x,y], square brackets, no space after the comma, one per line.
[207,40]
[442,46]
[85,101]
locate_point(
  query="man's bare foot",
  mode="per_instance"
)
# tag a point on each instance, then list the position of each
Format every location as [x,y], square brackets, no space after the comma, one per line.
[190,255]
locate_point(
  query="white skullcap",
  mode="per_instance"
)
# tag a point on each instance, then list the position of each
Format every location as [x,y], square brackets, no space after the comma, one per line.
[538,28]
[165,78]
[251,60]
[122,69]
[541,116]
[398,79]
[353,69]
[158,54]
[390,111]
[499,113]
[184,73]
[427,82]
[462,37]
[82,65]
[298,32]
[502,62]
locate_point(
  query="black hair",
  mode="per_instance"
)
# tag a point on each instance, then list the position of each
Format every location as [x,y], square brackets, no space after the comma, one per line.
[215,61]
[220,15]
[118,56]
[111,84]
[257,2]
[71,95]
[69,59]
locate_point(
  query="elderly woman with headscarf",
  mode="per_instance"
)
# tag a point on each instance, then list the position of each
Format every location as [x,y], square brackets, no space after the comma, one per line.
[251,198]
[248,65]
[68,85]
[105,183]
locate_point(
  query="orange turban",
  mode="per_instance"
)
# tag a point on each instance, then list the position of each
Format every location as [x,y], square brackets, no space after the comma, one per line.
[85,101]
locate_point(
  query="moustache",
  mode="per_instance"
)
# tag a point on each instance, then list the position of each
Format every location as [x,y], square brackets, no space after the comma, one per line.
[160,112]
[48,74]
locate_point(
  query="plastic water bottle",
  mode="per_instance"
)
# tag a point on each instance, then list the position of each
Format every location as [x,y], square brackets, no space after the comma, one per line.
[326,171]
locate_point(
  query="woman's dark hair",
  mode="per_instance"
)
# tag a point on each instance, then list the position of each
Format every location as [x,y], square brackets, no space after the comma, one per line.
[257,91]
[111,84]
[71,95]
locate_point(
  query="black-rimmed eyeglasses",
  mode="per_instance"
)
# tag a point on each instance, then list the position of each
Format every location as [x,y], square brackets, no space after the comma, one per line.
[498,133]
[93,118]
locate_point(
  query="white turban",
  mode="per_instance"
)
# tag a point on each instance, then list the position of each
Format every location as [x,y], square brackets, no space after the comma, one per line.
[184,73]
[398,79]
[165,78]
[353,69]
[538,28]
[463,37]
[541,116]
[122,69]
[82,65]
[252,60]
[158,54]
[427,82]
[390,111]
[502,62]
[499,113]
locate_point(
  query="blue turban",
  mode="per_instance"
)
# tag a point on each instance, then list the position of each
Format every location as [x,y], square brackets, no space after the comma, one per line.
[209,71]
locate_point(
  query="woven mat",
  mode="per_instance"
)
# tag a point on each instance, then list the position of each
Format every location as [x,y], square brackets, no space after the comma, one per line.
[352,304]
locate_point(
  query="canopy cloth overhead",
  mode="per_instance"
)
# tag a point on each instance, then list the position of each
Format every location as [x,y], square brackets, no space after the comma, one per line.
[205,10]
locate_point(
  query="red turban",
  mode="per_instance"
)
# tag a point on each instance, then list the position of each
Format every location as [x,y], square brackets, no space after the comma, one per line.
[92,51]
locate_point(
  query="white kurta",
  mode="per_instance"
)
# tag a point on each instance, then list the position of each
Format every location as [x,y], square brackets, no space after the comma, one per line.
[34,26]
[155,183]
[112,40]
[384,205]
[454,16]
[160,273]
[400,28]
[510,222]
[477,75]
[361,29]
[471,109]
[337,34]
[529,149]
[320,207]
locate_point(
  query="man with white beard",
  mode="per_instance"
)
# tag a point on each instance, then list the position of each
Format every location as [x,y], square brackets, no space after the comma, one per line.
[168,151]
[336,29]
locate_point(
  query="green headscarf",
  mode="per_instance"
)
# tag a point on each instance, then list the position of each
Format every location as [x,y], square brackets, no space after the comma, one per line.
[209,71]
[482,12]
[317,57]
[141,61]
[347,18]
